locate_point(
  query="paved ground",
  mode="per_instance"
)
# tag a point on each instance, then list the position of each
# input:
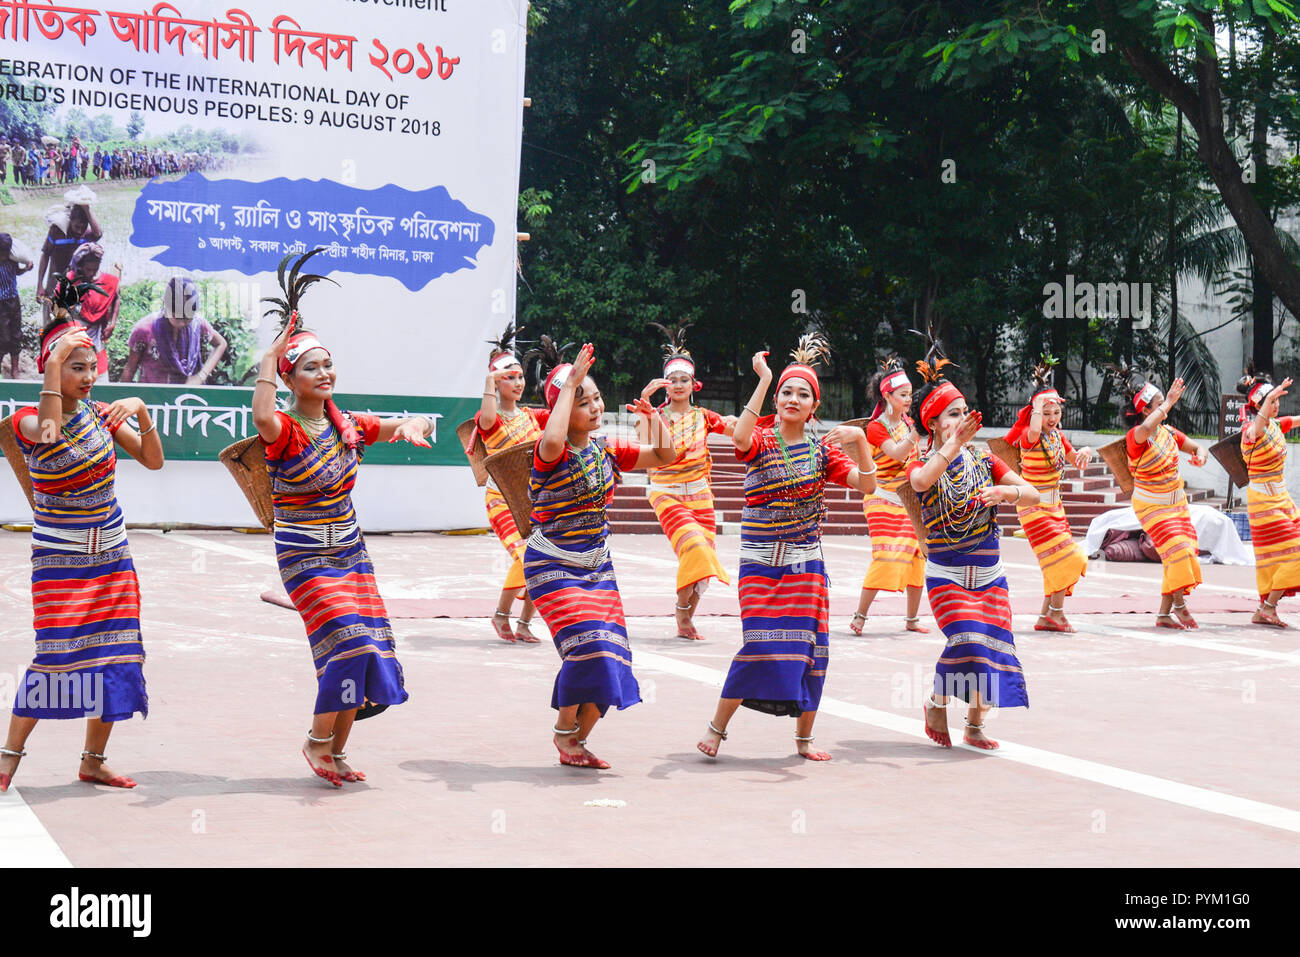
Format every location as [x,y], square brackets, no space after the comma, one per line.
[1140,748]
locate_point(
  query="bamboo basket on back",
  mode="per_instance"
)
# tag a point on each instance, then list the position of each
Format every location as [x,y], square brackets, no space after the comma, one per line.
[17,461]
[510,470]
[246,461]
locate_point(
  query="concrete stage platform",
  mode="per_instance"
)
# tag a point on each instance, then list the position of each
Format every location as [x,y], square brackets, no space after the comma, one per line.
[1141,747]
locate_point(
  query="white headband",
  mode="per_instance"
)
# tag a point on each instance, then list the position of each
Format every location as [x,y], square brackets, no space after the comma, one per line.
[505,362]
[679,365]
[301,348]
[1145,396]
[895,381]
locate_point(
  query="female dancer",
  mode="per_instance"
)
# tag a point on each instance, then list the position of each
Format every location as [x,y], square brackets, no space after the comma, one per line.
[896,562]
[959,487]
[1045,452]
[784,598]
[679,493]
[502,423]
[1158,496]
[567,565]
[1274,518]
[312,453]
[89,654]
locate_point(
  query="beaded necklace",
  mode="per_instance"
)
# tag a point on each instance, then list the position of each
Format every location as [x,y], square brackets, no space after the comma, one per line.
[959,512]
[96,426]
[314,429]
[1054,448]
[588,479]
[788,467]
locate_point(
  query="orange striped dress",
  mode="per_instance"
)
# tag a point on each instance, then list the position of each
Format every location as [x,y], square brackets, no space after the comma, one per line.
[1274,519]
[1061,559]
[524,426]
[1161,505]
[896,561]
[683,502]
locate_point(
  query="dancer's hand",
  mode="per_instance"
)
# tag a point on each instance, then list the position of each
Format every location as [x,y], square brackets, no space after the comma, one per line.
[1082,457]
[1175,393]
[653,386]
[409,431]
[970,424]
[993,494]
[641,406]
[842,434]
[1273,401]
[581,365]
[761,366]
[281,343]
[123,409]
[1198,458]
[70,342]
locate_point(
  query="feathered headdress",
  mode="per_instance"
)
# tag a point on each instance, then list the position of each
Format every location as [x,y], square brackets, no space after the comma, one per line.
[1255,386]
[503,349]
[891,363]
[548,358]
[812,348]
[294,287]
[676,338]
[1132,385]
[1042,382]
[937,393]
[932,366]
[68,294]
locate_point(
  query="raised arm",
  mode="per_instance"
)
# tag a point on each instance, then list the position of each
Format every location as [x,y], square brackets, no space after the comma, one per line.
[144,446]
[551,445]
[743,435]
[1142,433]
[264,418]
[659,449]
[1035,430]
[922,479]
[49,411]
[1268,410]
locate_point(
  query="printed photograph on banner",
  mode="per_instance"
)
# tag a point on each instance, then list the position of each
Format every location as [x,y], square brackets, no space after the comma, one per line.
[174,158]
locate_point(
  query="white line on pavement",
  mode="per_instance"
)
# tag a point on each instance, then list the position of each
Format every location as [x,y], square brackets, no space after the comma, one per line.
[23,837]
[1175,792]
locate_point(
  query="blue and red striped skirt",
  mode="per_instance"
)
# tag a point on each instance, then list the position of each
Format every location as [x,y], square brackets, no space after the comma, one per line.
[334,590]
[584,611]
[781,668]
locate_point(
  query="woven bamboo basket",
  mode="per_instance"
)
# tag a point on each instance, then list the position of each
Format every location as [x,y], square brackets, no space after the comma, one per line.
[1115,455]
[1228,454]
[246,461]
[1009,454]
[472,443]
[16,460]
[912,505]
[510,469]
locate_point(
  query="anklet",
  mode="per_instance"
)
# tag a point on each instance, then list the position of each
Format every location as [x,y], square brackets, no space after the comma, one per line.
[721,734]
[311,737]
[573,730]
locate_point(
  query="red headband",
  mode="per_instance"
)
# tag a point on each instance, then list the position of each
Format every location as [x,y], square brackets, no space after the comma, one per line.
[1022,420]
[1144,397]
[1254,398]
[300,343]
[503,360]
[555,382]
[895,380]
[796,370]
[944,395]
[57,333]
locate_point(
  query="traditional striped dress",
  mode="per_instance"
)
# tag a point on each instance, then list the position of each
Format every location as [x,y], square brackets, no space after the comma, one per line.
[525,426]
[784,589]
[570,575]
[326,569]
[1042,466]
[683,502]
[86,598]
[967,586]
[896,561]
[1161,506]
[1274,518]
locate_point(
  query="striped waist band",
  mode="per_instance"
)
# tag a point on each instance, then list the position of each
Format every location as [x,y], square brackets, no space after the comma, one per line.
[1158,498]
[777,554]
[968,576]
[87,541]
[591,558]
[678,488]
[316,536]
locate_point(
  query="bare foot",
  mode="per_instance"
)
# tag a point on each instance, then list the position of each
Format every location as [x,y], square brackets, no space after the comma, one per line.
[569,748]
[936,724]
[8,767]
[710,743]
[321,761]
[1261,617]
[93,769]
[345,770]
[685,627]
[856,623]
[1185,616]
[976,738]
[806,750]
[525,634]
[1168,621]
[916,626]
[501,625]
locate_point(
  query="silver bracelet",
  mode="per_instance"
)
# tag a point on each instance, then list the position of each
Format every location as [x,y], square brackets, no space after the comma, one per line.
[148,430]
[1019,490]
[51,392]
[270,382]
[939,452]
[429,422]
[748,409]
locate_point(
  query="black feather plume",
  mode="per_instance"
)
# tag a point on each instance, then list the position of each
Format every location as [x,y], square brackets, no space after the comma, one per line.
[293,286]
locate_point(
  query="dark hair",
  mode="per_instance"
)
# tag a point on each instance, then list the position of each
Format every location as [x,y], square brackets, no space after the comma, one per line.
[874,395]
[6,243]
[1248,382]
[1132,417]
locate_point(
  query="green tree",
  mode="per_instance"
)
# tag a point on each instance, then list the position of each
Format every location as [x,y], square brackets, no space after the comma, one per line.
[135,125]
